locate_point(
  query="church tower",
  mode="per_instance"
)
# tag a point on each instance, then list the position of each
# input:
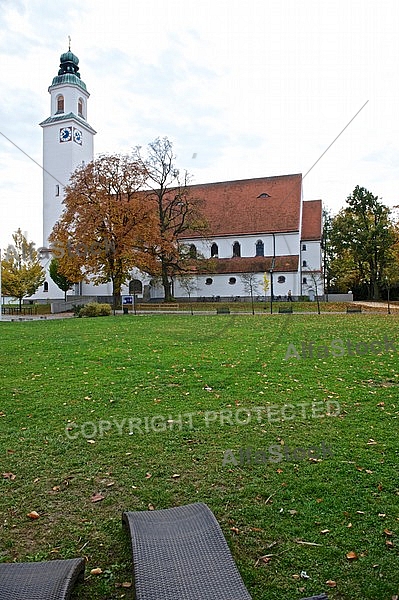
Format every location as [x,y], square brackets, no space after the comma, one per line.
[67,138]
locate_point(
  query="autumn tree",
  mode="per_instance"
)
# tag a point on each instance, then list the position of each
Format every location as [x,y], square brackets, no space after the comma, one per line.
[105,228]
[60,280]
[21,271]
[362,236]
[188,282]
[175,210]
[251,286]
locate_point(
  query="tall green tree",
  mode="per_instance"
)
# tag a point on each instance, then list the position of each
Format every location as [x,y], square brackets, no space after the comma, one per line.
[362,237]
[21,271]
[59,279]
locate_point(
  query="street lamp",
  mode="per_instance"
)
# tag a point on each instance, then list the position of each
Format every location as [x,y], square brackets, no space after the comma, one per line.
[271,284]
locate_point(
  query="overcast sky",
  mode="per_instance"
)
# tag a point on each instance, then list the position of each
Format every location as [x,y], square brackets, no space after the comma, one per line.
[244,88]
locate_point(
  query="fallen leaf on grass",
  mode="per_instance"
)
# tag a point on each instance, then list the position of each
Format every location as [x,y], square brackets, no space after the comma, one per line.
[331,583]
[387,532]
[235,530]
[324,531]
[97,498]
[9,476]
[265,559]
[33,515]
[96,571]
[351,556]
[148,475]
[91,441]
[175,476]
[151,507]
[389,543]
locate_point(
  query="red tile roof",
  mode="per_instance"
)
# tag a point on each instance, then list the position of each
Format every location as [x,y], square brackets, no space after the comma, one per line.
[311,220]
[254,264]
[238,208]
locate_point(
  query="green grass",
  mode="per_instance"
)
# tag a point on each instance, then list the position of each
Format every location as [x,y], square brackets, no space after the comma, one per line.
[57,376]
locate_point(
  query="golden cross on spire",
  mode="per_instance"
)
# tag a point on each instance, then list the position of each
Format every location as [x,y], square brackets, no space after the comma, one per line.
[69,41]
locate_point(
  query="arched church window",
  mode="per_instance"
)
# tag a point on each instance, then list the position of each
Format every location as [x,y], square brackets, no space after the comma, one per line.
[80,108]
[214,250]
[236,249]
[60,104]
[45,286]
[192,251]
[260,248]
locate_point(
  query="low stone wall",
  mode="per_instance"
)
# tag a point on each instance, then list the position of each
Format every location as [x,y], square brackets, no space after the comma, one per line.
[340,297]
[61,306]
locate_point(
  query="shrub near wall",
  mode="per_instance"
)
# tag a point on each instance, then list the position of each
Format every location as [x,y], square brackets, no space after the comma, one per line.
[94,309]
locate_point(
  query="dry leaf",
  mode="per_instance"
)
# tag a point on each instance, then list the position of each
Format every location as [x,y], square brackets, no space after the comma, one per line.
[293,512]
[56,488]
[148,475]
[349,525]
[389,543]
[387,532]
[9,476]
[331,583]
[234,530]
[324,531]
[351,556]
[126,584]
[91,441]
[33,515]
[175,476]
[372,442]
[96,571]
[97,498]
[296,576]
[360,512]
[151,507]
[111,483]
[279,471]
[368,471]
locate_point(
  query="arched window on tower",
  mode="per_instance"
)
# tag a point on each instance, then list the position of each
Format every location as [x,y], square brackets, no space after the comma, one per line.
[192,251]
[80,108]
[260,248]
[236,249]
[214,251]
[60,104]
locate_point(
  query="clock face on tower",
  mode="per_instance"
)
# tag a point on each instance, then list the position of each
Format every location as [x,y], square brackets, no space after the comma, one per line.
[77,136]
[66,134]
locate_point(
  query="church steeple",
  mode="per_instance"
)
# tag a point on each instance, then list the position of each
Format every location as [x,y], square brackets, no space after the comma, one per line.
[67,137]
[69,70]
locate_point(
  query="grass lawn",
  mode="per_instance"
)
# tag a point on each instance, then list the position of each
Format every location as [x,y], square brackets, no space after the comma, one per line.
[138,412]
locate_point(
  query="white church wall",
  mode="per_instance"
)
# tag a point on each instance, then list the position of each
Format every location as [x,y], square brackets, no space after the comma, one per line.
[285,244]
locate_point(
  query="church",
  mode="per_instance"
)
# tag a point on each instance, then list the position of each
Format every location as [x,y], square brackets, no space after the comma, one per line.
[260,226]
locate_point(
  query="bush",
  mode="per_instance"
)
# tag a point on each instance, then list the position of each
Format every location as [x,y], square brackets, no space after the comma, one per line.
[94,309]
[76,309]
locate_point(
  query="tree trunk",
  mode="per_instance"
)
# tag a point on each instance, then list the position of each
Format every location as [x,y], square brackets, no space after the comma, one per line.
[166,284]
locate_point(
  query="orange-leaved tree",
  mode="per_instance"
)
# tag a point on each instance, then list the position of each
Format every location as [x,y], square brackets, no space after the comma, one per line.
[106,226]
